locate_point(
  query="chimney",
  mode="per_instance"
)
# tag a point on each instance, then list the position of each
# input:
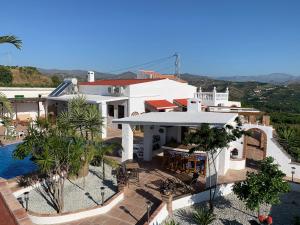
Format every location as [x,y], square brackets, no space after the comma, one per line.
[90,76]
[194,105]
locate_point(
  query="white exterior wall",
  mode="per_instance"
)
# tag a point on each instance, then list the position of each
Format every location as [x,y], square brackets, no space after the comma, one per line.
[10,92]
[283,159]
[29,109]
[100,90]
[224,161]
[93,89]
[159,89]
[275,151]
[149,131]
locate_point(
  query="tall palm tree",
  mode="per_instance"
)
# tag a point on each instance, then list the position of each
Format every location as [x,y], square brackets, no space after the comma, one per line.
[11,39]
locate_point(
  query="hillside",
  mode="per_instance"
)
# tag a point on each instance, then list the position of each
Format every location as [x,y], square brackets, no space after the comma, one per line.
[273,78]
[26,77]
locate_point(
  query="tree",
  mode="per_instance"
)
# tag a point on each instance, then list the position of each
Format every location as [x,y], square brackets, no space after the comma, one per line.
[83,119]
[11,39]
[5,76]
[263,187]
[6,104]
[100,155]
[55,80]
[212,140]
[57,156]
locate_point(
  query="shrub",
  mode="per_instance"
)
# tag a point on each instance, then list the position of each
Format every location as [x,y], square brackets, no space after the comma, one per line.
[171,222]
[5,76]
[203,216]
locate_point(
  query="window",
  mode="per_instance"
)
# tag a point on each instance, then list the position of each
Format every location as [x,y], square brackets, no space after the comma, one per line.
[111,110]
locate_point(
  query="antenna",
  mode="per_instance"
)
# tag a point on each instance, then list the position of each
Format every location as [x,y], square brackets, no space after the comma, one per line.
[177,64]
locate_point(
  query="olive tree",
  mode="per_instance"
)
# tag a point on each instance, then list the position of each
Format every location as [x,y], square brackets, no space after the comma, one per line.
[263,187]
[212,140]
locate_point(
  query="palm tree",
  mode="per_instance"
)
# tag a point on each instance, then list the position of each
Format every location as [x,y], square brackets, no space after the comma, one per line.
[6,104]
[11,39]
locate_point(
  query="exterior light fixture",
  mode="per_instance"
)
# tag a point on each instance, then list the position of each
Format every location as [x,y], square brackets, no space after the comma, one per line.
[102,194]
[26,197]
[293,172]
[149,205]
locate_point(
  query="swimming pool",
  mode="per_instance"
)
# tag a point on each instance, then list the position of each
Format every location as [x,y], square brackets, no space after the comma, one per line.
[10,167]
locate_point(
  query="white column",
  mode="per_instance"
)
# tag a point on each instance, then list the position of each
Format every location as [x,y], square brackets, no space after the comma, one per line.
[213,173]
[224,160]
[147,143]
[103,111]
[127,142]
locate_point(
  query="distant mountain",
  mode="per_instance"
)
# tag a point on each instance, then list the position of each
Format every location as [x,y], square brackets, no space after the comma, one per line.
[273,78]
[80,74]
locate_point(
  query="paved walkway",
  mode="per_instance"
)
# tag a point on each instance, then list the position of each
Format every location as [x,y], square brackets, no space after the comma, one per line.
[133,209]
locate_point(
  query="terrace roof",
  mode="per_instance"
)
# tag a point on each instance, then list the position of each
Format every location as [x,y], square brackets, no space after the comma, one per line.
[178,118]
[93,99]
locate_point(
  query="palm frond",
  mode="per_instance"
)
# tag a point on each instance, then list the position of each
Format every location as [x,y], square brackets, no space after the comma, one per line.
[11,39]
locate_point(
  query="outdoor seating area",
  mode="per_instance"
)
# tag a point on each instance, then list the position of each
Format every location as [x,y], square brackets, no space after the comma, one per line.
[184,162]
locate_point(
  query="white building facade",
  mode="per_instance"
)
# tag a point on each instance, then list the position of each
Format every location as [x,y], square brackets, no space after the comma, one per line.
[27,103]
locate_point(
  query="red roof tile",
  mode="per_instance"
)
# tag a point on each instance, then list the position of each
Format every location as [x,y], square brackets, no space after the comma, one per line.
[181,102]
[160,104]
[118,82]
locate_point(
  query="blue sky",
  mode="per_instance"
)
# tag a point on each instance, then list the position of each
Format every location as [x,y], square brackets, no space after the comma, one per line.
[222,37]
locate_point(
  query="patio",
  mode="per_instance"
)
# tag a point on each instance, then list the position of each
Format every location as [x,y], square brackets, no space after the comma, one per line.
[151,175]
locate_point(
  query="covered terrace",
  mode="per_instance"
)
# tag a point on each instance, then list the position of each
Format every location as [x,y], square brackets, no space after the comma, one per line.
[163,136]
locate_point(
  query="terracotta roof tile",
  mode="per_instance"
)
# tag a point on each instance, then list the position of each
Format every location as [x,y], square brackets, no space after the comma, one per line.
[180,102]
[118,82]
[160,104]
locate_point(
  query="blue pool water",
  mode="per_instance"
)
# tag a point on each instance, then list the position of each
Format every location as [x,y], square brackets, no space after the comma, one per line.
[10,167]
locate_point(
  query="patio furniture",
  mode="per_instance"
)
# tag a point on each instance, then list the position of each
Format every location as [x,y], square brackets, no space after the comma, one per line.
[132,171]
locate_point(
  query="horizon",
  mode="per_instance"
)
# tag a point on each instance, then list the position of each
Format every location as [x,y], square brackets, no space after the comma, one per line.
[225,39]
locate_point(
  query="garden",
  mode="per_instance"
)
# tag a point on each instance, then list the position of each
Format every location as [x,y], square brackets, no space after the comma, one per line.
[74,171]
[263,198]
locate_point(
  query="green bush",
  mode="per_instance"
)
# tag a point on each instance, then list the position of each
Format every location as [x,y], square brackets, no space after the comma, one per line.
[203,216]
[171,222]
[5,76]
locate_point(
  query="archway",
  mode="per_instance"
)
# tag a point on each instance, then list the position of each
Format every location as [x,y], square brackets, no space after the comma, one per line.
[255,147]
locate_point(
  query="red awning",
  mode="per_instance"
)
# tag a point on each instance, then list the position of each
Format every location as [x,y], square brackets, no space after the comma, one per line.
[160,104]
[180,102]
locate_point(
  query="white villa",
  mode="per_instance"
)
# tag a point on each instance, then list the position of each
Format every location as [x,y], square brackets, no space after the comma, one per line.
[166,108]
